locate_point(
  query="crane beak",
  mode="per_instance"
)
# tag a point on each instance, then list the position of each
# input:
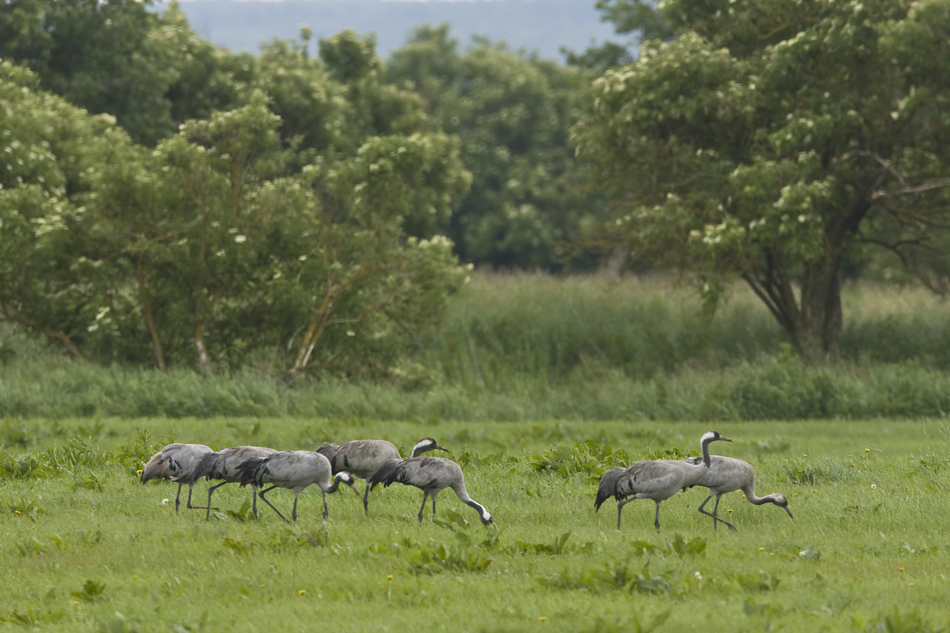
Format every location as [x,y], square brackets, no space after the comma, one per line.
[353,488]
[442,448]
[724,439]
[789,512]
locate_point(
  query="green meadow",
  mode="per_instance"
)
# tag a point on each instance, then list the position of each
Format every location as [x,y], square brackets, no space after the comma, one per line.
[85,547]
[518,348]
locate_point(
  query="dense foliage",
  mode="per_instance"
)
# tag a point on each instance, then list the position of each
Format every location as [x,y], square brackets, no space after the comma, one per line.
[769,142]
[165,202]
[218,241]
[512,116]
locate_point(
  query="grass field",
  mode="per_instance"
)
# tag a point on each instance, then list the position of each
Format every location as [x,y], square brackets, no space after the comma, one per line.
[85,547]
[519,348]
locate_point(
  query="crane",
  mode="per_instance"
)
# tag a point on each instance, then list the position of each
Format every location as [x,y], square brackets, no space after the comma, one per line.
[432,475]
[658,480]
[362,458]
[294,470]
[728,474]
[178,463]
[223,465]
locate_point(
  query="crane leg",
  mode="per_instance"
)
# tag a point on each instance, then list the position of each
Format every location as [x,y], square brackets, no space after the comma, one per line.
[188,505]
[178,499]
[656,521]
[264,499]
[433,506]
[294,512]
[366,499]
[716,515]
[425,498]
[254,490]
[326,511]
[210,491]
[703,505]
[620,506]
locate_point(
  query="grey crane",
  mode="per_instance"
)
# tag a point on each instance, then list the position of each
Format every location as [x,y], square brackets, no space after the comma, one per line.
[178,463]
[362,458]
[658,480]
[294,470]
[432,475]
[223,465]
[728,474]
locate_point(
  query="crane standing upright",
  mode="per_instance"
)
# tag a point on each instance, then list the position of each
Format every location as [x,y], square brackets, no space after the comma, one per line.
[658,480]
[178,463]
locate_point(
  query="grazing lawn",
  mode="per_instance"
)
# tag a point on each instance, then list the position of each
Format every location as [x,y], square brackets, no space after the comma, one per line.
[85,547]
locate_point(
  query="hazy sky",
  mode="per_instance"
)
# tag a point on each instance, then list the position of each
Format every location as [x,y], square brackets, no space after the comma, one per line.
[535,25]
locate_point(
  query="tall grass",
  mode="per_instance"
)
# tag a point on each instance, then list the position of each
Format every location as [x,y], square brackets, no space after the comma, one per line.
[528,347]
[536,325]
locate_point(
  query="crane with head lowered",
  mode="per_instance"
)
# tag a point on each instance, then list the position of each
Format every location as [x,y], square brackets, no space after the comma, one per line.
[658,480]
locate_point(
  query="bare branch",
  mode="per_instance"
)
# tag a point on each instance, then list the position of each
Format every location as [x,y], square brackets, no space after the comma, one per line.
[936,183]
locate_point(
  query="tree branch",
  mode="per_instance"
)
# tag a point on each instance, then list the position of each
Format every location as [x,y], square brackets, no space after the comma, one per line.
[935,183]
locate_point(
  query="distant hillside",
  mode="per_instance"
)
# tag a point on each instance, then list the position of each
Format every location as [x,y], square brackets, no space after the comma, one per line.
[535,25]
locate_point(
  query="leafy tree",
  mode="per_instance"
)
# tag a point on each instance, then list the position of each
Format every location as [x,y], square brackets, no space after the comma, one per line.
[51,281]
[766,141]
[512,115]
[190,221]
[210,246]
[644,19]
[207,78]
[97,55]
[639,20]
[364,280]
[229,256]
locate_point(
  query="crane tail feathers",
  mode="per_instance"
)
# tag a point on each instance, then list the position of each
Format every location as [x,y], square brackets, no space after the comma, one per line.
[387,474]
[329,451]
[251,471]
[207,466]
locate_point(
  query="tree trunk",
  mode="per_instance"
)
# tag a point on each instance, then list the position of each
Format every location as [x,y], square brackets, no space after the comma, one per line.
[149,317]
[202,349]
[817,325]
[812,319]
[68,342]
[311,336]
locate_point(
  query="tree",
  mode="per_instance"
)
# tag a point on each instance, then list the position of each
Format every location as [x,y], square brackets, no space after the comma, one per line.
[512,115]
[212,245]
[97,55]
[51,280]
[766,141]
[635,18]
[368,285]
[227,255]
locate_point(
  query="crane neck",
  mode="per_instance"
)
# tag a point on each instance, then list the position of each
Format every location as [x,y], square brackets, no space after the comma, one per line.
[753,499]
[336,484]
[706,461]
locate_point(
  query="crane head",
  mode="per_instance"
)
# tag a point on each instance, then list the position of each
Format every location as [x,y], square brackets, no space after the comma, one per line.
[347,479]
[782,502]
[427,444]
[712,436]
